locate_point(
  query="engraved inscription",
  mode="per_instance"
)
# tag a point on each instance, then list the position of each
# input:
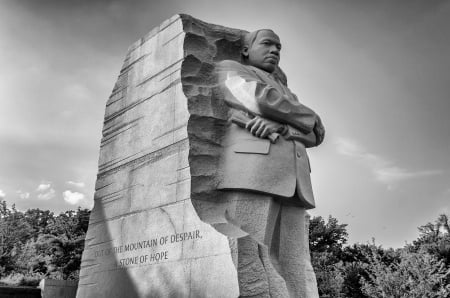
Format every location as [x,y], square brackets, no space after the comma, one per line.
[146,244]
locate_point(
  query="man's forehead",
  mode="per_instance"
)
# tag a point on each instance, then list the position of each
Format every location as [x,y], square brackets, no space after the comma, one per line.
[268,34]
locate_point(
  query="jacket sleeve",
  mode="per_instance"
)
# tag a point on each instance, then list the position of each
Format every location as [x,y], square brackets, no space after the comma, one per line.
[314,138]
[271,103]
[309,140]
[284,108]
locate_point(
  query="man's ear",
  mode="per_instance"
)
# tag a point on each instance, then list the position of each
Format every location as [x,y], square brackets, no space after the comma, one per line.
[244,51]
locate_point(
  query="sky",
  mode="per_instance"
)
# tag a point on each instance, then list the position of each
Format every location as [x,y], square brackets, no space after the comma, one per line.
[377,72]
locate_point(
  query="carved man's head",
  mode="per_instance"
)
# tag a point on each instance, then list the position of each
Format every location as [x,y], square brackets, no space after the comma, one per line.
[261,49]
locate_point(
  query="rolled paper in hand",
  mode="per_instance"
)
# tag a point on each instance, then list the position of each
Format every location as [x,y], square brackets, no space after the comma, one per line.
[241,121]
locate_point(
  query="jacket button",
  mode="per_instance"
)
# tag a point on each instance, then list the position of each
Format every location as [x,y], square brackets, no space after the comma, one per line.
[299,155]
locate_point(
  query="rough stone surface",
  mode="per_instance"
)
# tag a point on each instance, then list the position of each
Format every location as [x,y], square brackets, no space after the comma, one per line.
[145,239]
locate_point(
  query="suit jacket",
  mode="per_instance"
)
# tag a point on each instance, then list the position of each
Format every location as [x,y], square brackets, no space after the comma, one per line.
[253,164]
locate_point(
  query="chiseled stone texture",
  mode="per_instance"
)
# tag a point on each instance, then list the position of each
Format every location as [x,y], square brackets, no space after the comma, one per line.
[145,238]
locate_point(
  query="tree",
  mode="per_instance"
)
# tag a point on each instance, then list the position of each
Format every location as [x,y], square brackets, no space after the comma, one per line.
[416,275]
[38,220]
[36,242]
[329,274]
[329,236]
[70,224]
[14,232]
[326,240]
[435,239]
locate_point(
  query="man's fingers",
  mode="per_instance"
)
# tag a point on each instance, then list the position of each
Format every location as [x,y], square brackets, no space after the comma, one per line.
[260,127]
[265,132]
[256,126]
[260,130]
[250,123]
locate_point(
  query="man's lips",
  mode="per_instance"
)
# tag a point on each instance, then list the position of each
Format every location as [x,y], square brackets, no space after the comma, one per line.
[272,58]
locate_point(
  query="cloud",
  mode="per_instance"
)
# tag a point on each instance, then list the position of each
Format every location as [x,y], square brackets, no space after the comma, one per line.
[384,170]
[45,191]
[47,195]
[43,187]
[23,194]
[2,194]
[394,174]
[76,184]
[73,198]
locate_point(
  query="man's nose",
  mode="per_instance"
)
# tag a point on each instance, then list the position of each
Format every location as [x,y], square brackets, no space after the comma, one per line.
[274,50]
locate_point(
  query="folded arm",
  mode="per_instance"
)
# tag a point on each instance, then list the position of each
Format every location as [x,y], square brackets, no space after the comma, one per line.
[255,96]
[284,108]
[314,138]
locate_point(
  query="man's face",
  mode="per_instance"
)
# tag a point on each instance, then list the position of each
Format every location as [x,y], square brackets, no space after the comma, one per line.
[264,53]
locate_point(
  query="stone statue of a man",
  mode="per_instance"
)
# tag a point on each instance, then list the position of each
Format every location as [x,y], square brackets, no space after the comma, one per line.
[265,172]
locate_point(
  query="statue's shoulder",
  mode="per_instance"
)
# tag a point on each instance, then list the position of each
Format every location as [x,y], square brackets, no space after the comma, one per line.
[225,65]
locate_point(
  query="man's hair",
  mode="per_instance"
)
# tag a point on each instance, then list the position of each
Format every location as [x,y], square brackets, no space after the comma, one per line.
[249,38]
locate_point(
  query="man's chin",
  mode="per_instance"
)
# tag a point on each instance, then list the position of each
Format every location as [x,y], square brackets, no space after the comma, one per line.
[270,67]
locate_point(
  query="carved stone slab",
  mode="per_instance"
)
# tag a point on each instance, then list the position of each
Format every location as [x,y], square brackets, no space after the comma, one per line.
[158,155]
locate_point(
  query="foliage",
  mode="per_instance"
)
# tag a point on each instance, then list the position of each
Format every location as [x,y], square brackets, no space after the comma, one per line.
[353,272]
[326,236]
[38,243]
[435,239]
[420,269]
[19,279]
[415,275]
[329,274]
[326,240]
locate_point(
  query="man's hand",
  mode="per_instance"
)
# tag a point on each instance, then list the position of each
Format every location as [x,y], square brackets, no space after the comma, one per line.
[262,127]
